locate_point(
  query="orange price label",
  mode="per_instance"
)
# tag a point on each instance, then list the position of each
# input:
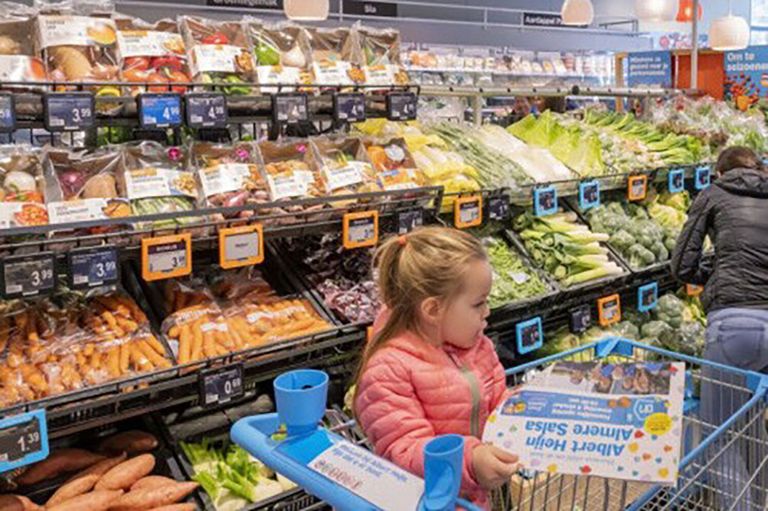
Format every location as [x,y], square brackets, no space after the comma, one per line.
[361,229]
[693,289]
[637,188]
[166,257]
[468,211]
[241,246]
[609,310]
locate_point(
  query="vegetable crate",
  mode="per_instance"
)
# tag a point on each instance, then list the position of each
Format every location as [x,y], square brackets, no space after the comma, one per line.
[723,459]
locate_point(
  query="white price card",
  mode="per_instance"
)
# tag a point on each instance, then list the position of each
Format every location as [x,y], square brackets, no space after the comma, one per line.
[241,246]
[166,257]
[361,229]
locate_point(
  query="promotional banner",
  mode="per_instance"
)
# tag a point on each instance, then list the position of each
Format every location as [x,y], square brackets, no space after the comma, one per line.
[746,76]
[650,68]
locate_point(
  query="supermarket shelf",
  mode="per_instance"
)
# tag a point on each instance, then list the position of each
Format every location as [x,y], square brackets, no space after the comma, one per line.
[512,74]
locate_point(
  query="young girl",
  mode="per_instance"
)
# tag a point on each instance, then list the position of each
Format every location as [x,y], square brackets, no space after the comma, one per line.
[429,370]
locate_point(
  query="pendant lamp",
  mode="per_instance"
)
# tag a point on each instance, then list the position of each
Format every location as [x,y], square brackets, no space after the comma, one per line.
[306,10]
[577,12]
[685,11]
[655,10]
[729,33]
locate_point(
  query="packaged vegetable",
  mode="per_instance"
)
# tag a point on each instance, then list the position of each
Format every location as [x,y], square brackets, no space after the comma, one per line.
[381,56]
[156,180]
[344,165]
[219,53]
[81,186]
[22,193]
[513,279]
[19,61]
[288,170]
[281,51]
[394,165]
[152,53]
[334,51]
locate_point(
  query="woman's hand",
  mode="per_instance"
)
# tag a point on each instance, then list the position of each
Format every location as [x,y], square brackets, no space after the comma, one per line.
[492,466]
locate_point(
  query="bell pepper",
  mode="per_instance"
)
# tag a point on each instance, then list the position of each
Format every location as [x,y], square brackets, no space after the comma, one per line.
[217,38]
[136,63]
[236,90]
[169,62]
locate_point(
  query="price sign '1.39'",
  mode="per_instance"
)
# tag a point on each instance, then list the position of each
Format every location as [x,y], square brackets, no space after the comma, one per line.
[28,275]
[23,440]
[69,111]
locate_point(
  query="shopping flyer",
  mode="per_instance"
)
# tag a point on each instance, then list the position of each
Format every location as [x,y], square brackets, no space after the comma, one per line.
[620,421]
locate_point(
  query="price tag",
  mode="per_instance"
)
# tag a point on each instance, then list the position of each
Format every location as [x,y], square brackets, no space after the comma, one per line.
[28,275]
[647,296]
[166,257]
[23,440]
[676,180]
[361,229]
[589,194]
[206,110]
[609,310]
[498,208]
[349,107]
[7,112]
[530,335]
[159,110]
[637,188]
[545,201]
[241,246]
[409,220]
[93,267]
[290,108]
[69,111]
[693,290]
[402,106]
[703,177]
[468,211]
[222,385]
[581,319]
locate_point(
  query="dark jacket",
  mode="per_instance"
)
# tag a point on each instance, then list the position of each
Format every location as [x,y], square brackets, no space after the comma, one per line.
[734,213]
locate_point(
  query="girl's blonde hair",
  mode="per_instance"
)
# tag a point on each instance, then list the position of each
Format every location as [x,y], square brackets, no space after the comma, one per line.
[428,262]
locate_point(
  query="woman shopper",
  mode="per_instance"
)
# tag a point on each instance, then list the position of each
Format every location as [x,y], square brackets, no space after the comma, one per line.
[733,212]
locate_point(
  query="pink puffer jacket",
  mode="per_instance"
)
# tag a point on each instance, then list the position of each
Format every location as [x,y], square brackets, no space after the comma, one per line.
[412,391]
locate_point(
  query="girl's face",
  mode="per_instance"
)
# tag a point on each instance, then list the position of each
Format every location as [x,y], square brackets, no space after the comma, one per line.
[463,318]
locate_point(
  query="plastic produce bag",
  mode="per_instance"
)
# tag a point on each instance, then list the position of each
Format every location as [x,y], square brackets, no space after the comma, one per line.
[19,61]
[381,56]
[219,52]
[394,165]
[344,165]
[288,170]
[334,51]
[152,53]
[22,193]
[281,51]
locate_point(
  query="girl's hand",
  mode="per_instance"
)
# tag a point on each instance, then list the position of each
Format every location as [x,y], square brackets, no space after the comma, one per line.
[492,466]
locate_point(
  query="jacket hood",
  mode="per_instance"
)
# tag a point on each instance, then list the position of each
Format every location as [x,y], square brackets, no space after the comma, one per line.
[750,182]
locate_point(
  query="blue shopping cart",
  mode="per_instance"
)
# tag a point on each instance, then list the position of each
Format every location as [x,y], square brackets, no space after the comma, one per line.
[724,463]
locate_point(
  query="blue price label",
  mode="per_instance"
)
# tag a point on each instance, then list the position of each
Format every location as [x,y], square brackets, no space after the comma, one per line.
[7,113]
[589,195]
[23,440]
[676,181]
[647,296]
[703,177]
[92,267]
[69,111]
[402,106]
[206,110]
[159,110]
[545,201]
[529,335]
[349,107]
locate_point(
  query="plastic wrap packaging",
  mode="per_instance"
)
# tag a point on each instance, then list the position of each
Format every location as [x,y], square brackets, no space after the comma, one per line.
[19,61]
[156,180]
[335,56]
[52,348]
[22,200]
[394,165]
[281,52]
[344,166]
[288,170]
[81,186]
[152,53]
[229,175]
[381,56]
[219,52]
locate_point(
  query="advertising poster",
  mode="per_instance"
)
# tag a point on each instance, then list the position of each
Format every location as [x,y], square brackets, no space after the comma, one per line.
[746,76]
[620,421]
[649,68]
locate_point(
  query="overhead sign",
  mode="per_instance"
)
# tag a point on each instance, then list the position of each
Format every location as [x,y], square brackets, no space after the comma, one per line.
[382,9]
[248,4]
[651,68]
[539,19]
[746,76]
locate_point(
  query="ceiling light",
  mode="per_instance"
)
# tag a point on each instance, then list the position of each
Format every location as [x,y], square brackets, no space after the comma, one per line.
[306,10]
[729,33]
[577,12]
[655,10]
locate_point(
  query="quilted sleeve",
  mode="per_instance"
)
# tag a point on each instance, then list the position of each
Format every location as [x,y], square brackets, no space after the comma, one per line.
[393,418]
[496,382]
[686,262]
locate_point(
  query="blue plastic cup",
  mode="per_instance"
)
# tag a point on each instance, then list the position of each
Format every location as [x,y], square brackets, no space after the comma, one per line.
[443,463]
[301,397]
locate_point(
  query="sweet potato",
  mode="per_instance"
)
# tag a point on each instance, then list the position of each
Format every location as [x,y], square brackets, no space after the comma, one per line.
[94,501]
[148,482]
[73,488]
[141,500]
[59,462]
[176,507]
[126,473]
[17,503]
[101,467]
[131,442]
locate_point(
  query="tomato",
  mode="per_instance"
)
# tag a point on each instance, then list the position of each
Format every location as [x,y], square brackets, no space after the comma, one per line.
[157,78]
[137,63]
[177,77]
[217,38]
[172,63]
[134,75]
